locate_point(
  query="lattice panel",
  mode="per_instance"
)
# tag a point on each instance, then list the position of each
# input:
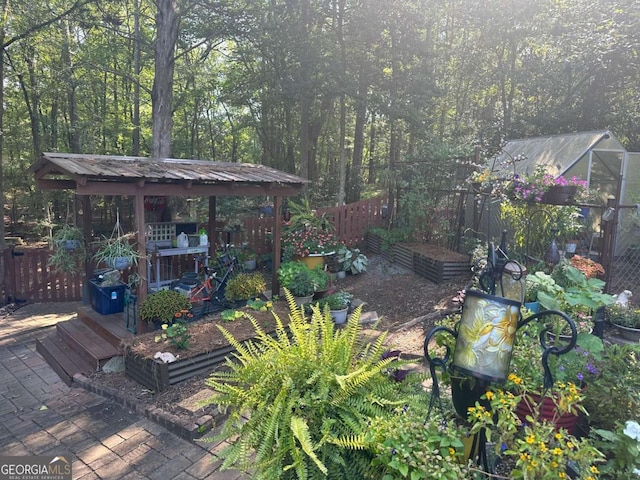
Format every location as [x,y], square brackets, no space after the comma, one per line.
[159,232]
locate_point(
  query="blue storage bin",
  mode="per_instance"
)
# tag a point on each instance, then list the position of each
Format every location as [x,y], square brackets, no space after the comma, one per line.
[107,300]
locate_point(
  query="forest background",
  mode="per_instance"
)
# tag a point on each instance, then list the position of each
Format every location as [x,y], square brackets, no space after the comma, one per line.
[355,95]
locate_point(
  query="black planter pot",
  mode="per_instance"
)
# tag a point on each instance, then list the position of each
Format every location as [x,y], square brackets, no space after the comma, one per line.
[466,391]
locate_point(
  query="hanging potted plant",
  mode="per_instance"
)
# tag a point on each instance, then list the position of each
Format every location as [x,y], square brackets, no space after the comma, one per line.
[69,253]
[118,251]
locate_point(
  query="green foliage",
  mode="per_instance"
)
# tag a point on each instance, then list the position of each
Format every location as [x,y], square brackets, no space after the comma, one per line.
[297,277]
[615,392]
[336,300]
[352,260]
[163,305]
[408,447]
[177,334]
[624,315]
[321,278]
[532,225]
[69,253]
[300,402]
[244,286]
[116,248]
[231,315]
[393,236]
[622,449]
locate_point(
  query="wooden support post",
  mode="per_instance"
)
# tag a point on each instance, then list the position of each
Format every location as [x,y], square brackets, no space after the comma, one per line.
[211,226]
[142,253]
[277,234]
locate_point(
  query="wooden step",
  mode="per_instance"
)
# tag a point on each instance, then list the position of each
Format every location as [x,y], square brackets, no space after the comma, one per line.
[111,327]
[89,344]
[63,359]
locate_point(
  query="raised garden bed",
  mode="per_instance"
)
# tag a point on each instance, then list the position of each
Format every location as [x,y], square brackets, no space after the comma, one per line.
[427,260]
[209,349]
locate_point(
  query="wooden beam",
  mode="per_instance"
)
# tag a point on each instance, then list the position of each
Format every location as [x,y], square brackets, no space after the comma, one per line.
[181,190]
[56,184]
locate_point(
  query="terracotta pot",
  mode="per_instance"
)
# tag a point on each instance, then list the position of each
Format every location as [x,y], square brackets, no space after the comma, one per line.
[547,411]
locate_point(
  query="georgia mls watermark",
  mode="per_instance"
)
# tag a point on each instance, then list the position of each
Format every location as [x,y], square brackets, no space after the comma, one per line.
[35,467]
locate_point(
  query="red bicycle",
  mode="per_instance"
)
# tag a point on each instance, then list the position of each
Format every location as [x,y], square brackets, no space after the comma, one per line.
[209,295]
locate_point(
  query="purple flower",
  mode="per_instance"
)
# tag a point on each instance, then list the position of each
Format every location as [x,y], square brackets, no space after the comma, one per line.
[580,376]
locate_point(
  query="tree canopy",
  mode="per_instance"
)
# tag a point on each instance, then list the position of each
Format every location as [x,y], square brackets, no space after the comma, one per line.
[338,91]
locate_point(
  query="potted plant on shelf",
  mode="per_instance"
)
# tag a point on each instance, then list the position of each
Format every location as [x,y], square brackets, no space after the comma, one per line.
[69,253]
[244,286]
[161,307]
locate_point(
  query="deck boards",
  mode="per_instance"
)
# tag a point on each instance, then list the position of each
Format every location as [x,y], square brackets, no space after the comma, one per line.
[64,360]
[84,343]
[95,349]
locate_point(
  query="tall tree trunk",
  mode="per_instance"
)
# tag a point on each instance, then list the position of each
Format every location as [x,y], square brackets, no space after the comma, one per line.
[69,71]
[355,186]
[343,107]
[135,134]
[306,95]
[167,22]
[372,148]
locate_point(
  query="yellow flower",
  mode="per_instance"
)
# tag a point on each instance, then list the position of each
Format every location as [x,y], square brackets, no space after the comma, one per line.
[489,395]
[558,436]
[557,451]
[165,326]
[594,469]
[562,475]
[452,451]
[530,439]
[524,457]
[543,447]
[570,445]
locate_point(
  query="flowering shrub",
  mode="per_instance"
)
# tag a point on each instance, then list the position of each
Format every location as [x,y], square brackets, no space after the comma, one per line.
[531,188]
[538,450]
[302,242]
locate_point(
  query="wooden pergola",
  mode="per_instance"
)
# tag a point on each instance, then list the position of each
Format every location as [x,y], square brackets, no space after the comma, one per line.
[141,177]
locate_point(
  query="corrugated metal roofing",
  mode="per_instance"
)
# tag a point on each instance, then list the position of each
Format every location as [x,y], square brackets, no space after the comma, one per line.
[161,170]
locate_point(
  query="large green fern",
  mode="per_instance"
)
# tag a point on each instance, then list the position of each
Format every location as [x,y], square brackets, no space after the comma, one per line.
[300,401]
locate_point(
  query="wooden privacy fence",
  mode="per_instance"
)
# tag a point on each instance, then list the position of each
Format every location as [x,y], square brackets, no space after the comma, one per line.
[27,277]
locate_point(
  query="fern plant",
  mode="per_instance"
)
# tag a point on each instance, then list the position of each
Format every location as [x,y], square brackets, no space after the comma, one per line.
[299,402]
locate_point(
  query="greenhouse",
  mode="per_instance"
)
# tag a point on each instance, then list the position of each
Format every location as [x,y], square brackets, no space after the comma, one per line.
[609,218]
